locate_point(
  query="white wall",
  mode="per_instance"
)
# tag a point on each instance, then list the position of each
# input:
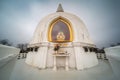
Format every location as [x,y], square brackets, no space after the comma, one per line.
[7,53]
[113,54]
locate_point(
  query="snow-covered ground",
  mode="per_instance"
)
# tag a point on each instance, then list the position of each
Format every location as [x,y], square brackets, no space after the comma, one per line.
[19,70]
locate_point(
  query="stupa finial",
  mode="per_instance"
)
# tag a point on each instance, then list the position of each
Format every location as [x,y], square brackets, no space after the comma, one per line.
[60,9]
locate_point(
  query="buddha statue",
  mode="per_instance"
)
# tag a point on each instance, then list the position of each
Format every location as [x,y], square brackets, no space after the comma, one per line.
[60,36]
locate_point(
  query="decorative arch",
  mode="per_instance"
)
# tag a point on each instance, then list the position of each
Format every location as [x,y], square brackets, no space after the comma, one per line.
[60,30]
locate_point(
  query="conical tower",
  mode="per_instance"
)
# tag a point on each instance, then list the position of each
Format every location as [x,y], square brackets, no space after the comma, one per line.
[60,9]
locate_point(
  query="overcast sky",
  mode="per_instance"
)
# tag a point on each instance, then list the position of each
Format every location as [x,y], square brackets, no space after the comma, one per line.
[19,18]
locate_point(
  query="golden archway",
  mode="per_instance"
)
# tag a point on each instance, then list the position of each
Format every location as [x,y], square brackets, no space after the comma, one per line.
[68,37]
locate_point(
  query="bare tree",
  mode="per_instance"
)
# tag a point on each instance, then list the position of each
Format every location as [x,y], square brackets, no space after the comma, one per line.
[118,44]
[5,42]
[23,47]
[20,46]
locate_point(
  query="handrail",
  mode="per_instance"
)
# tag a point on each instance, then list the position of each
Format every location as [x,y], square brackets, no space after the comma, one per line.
[70,44]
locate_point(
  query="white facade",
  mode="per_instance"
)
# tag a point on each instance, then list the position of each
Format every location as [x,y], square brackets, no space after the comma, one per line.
[78,59]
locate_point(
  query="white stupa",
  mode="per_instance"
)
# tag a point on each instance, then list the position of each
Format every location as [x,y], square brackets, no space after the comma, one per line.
[77,50]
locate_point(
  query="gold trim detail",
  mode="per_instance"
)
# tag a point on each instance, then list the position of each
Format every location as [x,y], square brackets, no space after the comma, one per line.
[67,22]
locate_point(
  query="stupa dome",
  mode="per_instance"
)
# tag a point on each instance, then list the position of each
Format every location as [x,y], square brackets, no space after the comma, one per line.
[79,31]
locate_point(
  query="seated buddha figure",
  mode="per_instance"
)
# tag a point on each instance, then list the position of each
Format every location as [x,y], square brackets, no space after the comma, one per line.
[60,36]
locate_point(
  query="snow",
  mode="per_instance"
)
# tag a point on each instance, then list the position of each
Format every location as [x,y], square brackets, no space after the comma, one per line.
[19,70]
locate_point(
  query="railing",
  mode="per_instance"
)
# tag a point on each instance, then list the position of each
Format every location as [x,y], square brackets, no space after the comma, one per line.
[69,44]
